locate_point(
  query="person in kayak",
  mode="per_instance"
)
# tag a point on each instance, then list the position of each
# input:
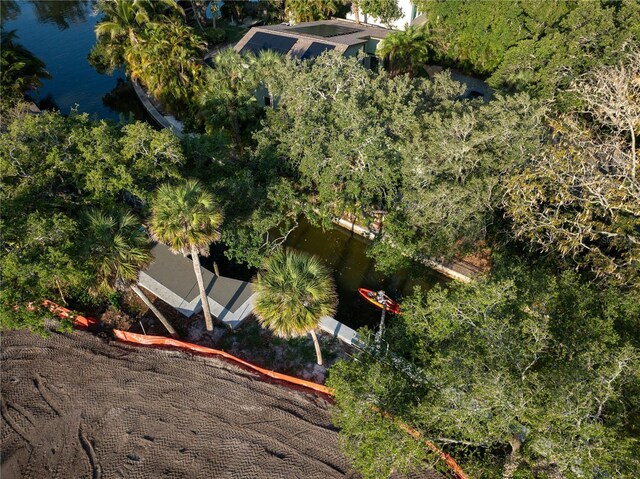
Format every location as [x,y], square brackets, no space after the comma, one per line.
[381,297]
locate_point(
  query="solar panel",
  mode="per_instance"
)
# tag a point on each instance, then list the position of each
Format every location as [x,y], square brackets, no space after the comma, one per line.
[324,30]
[316,49]
[261,41]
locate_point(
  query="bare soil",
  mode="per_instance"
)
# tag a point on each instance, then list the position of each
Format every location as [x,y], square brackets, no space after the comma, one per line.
[74,405]
[249,341]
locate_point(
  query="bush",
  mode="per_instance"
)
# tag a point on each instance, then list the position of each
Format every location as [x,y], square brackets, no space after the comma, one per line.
[215,35]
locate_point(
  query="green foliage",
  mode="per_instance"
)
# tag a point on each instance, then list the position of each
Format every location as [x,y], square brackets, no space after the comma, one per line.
[532,46]
[579,196]
[294,291]
[117,247]
[385,10]
[406,51]
[215,35]
[56,168]
[156,48]
[310,10]
[453,171]
[342,117]
[167,60]
[366,142]
[20,70]
[531,371]
[227,101]
[185,216]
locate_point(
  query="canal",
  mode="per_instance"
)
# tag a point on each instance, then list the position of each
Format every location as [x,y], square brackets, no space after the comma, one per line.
[61,33]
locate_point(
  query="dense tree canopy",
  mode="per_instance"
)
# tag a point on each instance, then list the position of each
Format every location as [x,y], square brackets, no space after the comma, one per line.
[366,142]
[310,10]
[155,46]
[580,194]
[530,45]
[54,170]
[532,375]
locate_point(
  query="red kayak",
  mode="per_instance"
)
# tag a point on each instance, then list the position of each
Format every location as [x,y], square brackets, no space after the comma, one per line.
[372,296]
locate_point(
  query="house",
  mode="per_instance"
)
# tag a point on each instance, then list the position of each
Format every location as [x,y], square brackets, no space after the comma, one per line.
[310,39]
[409,16]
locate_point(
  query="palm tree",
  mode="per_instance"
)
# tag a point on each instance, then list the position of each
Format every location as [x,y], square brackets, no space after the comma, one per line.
[310,10]
[118,248]
[294,291]
[167,60]
[228,96]
[406,51]
[125,18]
[186,218]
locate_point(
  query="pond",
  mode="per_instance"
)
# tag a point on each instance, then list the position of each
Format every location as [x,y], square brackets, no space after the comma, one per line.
[61,33]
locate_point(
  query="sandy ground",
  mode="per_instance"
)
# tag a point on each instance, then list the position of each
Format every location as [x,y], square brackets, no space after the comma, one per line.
[77,406]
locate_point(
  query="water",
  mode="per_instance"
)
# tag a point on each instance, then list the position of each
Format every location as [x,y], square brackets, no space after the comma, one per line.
[345,254]
[61,33]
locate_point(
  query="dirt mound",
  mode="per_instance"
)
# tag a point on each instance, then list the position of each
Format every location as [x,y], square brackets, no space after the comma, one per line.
[76,406]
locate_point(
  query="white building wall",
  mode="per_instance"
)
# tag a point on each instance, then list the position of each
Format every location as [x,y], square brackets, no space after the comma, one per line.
[408,14]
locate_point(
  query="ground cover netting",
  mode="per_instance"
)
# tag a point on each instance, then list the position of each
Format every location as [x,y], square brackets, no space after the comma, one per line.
[74,405]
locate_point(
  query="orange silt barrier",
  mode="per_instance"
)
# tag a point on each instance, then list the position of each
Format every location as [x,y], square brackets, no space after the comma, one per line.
[79,322]
[175,343]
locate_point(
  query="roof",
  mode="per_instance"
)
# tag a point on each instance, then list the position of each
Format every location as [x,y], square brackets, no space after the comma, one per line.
[309,39]
[175,272]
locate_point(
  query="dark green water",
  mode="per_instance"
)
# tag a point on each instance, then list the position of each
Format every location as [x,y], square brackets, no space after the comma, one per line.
[345,254]
[61,33]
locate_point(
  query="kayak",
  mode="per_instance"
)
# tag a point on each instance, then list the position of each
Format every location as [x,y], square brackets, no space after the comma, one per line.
[372,297]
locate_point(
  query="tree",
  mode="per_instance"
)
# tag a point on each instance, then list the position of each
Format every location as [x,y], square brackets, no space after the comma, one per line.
[125,21]
[55,168]
[530,46]
[310,10]
[118,247]
[294,291]
[186,218]
[513,384]
[453,169]
[167,59]
[127,18]
[406,51]
[580,195]
[385,10]
[227,101]
[341,156]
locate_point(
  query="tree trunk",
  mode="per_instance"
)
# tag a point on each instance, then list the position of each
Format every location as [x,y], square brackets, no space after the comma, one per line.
[317,346]
[203,294]
[513,460]
[154,310]
[355,8]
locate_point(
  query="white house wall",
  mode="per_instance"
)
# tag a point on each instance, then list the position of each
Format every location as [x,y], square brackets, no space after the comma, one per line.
[407,10]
